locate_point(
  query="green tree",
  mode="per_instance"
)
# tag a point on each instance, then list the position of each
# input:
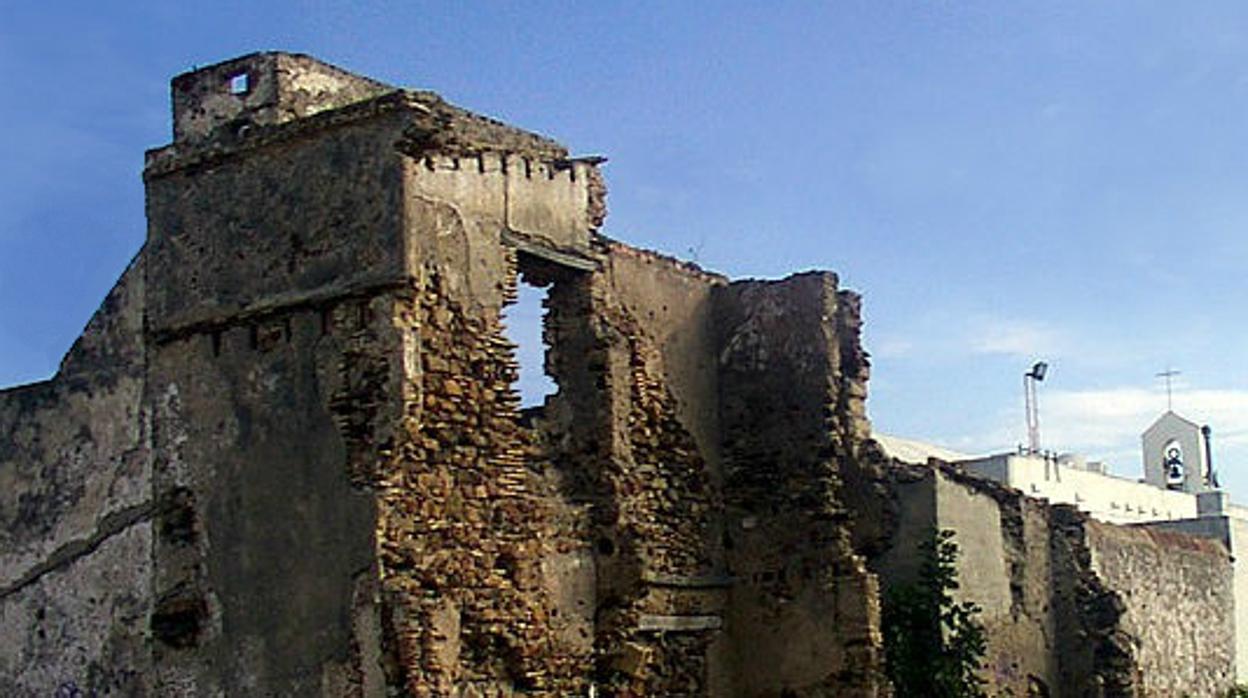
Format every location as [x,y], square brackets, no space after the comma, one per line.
[933,645]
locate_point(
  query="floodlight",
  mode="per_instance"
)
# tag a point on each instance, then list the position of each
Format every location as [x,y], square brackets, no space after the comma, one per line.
[1030,379]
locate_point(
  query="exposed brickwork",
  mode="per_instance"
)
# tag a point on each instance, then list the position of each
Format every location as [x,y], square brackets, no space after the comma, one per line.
[464,520]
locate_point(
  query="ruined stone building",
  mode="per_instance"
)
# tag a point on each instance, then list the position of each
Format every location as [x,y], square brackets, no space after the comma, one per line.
[285,458]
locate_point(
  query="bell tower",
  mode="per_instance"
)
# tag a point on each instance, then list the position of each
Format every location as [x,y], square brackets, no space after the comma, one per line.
[1174,455]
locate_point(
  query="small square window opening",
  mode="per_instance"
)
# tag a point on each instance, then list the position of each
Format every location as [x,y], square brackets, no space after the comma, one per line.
[239,84]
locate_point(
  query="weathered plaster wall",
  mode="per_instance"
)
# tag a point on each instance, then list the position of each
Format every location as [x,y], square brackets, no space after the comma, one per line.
[265,536]
[241,235]
[75,511]
[274,88]
[672,300]
[274,345]
[1071,606]
[1003,565]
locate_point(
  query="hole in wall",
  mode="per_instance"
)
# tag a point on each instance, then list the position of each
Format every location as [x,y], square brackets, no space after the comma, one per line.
[606,546]
[176,521]
[508,565]
[178,619]
[522,323]
[239,83]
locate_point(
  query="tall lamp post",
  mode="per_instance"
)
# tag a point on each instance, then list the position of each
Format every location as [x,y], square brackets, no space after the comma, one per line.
[1030,378]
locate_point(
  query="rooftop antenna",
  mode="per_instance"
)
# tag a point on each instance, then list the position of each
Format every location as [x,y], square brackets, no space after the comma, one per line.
[1030,378]
[1168,374]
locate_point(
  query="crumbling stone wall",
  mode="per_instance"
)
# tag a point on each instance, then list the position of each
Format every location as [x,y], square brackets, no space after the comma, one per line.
[337,437]
[1231,531]
[1177,606]
[1142,612]
[467,522]
[1071,606]
[386,500]
[612,548]
[804,608]
[632,436]
[661,571]
[1005,567]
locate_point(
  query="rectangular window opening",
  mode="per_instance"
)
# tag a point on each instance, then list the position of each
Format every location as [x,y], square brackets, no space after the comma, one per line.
[523,323]
[239,83]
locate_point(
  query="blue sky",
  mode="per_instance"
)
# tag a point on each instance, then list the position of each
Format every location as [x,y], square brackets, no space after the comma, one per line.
[1004,182]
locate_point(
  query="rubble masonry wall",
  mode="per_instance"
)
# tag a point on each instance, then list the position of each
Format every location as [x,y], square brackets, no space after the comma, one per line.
[1178,606]
[804,609]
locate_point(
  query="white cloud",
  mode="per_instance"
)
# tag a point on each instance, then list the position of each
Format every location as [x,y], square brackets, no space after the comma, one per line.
[1096,419]
[892,348]
[1086,419]
[1105,425]
[1017,338]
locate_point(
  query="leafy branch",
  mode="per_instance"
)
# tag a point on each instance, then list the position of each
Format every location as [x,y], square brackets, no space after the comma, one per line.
[934,645]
